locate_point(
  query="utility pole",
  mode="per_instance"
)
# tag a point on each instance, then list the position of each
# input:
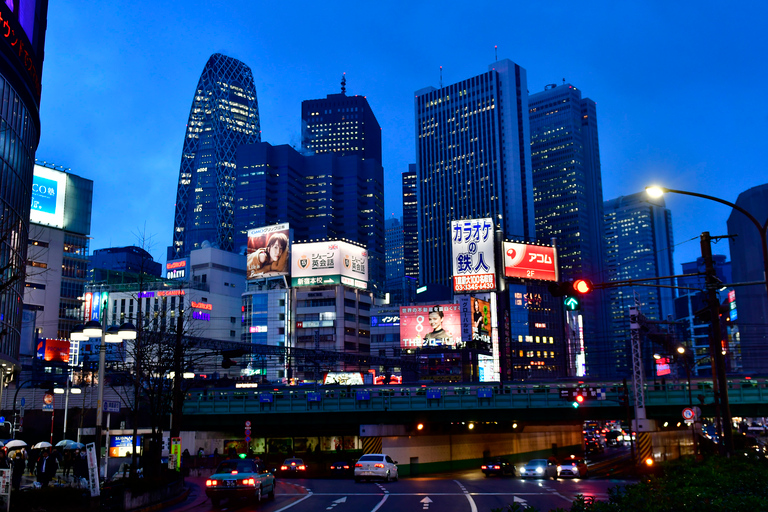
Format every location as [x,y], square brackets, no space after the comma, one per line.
[715,345]
[177,398]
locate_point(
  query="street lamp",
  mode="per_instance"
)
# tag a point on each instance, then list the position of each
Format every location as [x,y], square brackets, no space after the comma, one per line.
[687,364]
[656,192]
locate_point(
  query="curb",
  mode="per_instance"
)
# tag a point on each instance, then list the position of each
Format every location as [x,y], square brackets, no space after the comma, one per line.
[163,504]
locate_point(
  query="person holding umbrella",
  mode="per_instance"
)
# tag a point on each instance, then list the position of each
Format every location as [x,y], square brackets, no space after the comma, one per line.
[17,471]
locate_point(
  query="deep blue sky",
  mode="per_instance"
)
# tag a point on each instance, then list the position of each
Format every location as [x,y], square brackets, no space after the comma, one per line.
[679,86]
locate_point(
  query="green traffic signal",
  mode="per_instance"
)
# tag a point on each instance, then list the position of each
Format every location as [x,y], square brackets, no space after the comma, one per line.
[572,303]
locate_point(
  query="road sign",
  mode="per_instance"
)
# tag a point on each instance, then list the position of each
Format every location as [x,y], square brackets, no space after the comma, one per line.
[247,439]
[111,406]
[247,431]
[247,424]
[688,414]
[23,401]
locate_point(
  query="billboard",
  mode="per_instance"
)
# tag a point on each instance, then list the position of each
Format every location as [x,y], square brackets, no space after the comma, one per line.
[474,267]
[343,378]
[331,262]
[177,269]
[475,321]
[269,251]
[438,325]
[530,261]
[48,194]
[53,350]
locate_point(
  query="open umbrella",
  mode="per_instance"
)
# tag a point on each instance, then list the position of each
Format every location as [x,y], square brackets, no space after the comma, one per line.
[16,443]
[41,444]
[68,444]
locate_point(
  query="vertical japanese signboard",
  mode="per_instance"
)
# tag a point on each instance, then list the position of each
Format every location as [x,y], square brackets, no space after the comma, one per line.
[93,471]
[472,244]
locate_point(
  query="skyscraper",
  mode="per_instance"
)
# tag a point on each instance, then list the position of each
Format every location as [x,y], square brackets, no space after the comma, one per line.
[639,244]
[340,124]
[568,192]
[393,249]
[21,69]
[224,115]
[410,223]
[322,196]
[473,160]
[746,255]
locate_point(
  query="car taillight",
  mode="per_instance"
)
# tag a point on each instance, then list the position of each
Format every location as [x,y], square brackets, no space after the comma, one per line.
[302,468]
[333,467]
[234,471]
[483,467]
[346,467]
[249,481]
[211,483]
[358,465]
[379,465]
[283,468]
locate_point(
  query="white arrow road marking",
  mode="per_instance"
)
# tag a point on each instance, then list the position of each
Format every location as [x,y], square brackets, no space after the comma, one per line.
[472,505]
[294,503]
[426,501]
[521,501]
[336,502]
[378,506]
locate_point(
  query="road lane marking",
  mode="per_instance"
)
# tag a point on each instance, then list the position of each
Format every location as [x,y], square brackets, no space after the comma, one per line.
[472,505]
[378,506]
[294,503]
[336,502]
[426,501]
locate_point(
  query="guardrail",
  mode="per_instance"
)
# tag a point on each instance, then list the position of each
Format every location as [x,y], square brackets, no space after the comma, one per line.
[449,397]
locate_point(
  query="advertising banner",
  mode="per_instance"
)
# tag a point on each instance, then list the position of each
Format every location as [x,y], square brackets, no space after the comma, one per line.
[432,326]
[472,253]
[475,321]
[53,350]
[48,193]
[530,261]
[93,472]
[343,378]
[177,269]
[269,250]
[329,262]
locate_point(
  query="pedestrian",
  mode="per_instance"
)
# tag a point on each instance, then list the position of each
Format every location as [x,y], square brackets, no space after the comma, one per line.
[18,471]
[66,463]
[80,465]
[31,462]
[4,464]
[46,468]
[200,452]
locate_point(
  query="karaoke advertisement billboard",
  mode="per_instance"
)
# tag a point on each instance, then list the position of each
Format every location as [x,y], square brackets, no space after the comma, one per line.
[474,268]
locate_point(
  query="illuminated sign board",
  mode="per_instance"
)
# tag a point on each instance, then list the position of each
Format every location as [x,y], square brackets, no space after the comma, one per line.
[48,195]
[343,378]
[199,315]
[176,269]
[472,254]
[314,323]
[18,20]
[53,350]
[269,251]
[662,366]
[437,325]
[161,293]
[475,321]
[332,262]
[88,303]
[121,446]
[528,261]
[202,305]
[257,328]
[392,320]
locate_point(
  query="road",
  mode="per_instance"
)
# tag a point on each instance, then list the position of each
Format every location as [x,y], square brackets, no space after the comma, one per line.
[464,491]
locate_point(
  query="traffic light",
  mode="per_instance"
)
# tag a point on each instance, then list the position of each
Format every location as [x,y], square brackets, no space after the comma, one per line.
[572,303]
[570,288]
[577,401]
[582,286]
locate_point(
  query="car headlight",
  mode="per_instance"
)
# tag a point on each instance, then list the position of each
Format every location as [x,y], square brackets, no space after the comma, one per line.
[559,468]
[539,470]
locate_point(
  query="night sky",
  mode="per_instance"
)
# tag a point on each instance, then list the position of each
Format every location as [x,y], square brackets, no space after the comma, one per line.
[679,86]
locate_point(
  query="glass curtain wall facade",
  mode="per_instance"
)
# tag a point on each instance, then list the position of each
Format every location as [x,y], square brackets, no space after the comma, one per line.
[639,244]
[410,223]
[473,160]
[224,115]
[568,191]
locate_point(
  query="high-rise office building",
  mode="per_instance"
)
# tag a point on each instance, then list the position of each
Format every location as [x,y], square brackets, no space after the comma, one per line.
[321,196]
[340,124]
[410,223]
[122,265]
[473,160]
[224,115]
[639,244]
[57,258]
[21,69]
[746,255]
[393,249]
[568,192]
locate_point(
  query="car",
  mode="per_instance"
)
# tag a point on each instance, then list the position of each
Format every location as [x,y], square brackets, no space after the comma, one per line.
[376,465]
[342,469]
[612,437]
[293,467]
[574,467]
[593,446]
[539,468]
[240,478]
[497,466]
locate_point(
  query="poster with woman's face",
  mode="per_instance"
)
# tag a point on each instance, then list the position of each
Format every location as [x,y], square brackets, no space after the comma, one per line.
[268,251]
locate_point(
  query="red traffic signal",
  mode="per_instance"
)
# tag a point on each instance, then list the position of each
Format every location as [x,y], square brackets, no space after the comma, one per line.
[582,286]
[580,399]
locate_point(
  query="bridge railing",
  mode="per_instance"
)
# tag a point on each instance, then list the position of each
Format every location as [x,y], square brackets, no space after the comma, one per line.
[449,397]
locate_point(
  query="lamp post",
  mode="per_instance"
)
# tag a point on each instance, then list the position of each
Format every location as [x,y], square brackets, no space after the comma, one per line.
[93,329]
[686,362]
[656,191]
[66,392]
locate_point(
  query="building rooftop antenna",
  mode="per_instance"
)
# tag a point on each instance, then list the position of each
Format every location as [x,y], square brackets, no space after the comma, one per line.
[343,83]
[441,77]
[496,53]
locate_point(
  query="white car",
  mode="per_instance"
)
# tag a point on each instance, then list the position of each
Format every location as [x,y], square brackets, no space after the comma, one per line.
[539,468]
[376,465]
